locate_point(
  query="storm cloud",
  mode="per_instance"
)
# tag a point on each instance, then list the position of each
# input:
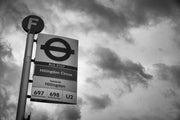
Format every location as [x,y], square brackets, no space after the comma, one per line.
[9,75]
[70,113]
[117,16]
[177,106]
[113,67]
[12,12]
[174,116]
[9,72]
[41,116]
[61,112]
[169,73]
[112,16]
[5,51]
[99,103]
[7,109]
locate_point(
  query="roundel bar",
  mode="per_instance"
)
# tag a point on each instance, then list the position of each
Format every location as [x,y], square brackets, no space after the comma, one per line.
[48,48]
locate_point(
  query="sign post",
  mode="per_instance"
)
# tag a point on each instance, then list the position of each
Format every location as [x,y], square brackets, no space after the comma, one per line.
[32,25]
[55,72]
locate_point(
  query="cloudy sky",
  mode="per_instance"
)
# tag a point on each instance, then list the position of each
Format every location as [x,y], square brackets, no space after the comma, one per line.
[129,61]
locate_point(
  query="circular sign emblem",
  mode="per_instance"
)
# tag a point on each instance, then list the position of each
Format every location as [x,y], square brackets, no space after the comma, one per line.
[33,24]
[48,48]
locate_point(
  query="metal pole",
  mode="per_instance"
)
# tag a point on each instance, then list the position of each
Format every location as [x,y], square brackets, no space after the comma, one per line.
[25,77]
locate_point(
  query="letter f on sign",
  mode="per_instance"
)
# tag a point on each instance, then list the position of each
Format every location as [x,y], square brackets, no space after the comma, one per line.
[32,21]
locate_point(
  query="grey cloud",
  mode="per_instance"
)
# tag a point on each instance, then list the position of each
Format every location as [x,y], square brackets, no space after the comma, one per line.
[177,35]
[112,66]
[121,118]
[70,113]
[169,73]
[155,118]
[9,72]
[7,110]
[5,51]
[104,16]
[177,40]
[130,13]
[36,113]
[67,112]
[81,102]
[93,81]
[40,115]
[177,105]
[99,103]
[147,117]
[169,93]
[148,9]
[9,75]
[11,13]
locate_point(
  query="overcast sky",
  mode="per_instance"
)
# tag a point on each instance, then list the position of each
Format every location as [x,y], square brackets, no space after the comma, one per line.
[128,64]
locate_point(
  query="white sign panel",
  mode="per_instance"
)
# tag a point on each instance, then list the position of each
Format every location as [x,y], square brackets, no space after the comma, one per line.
[55,72]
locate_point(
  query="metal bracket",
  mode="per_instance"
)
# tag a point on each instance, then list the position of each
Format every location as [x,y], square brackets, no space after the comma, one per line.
[30,81]
[33,60]
[35,40]
[28,96]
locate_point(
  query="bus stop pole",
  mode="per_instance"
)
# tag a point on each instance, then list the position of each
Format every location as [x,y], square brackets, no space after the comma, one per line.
[25,77]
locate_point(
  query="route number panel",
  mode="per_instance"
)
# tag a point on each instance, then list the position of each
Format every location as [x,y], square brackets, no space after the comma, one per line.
[53,96]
